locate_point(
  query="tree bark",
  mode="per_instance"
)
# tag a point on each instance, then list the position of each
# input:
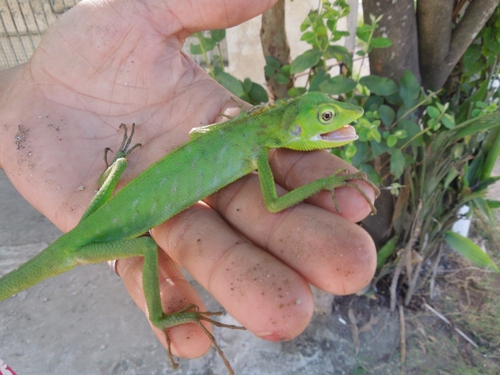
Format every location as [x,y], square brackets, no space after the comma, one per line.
[275,43]
[435,22]
[398,23]
[441,48]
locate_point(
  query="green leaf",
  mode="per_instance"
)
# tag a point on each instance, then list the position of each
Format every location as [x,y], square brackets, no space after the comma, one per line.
[493,147]
[361,153]
[363,32]
[308,37]
[379,85]
[281,79]
[385,252]
[454,173]
[398,162]
[434,124]
[433,112]
[285,69]
[494,204]
[231,83]
[350,150]
[392,140]
[296,91]
[195,49]
[372,173]
[247,85]
[305,61]
[476,125]
[401,134]
[410,89]
[469,250]
[471,55]
[317,79]
[448,121]
[387,114]
[380,42]
[373,103]
[207,43]
[258,94]
[375,135]
[339,53]
[481,205]
[412,129]
[378,148]
[337,85]
[218,35]
[273,62]
[269,71]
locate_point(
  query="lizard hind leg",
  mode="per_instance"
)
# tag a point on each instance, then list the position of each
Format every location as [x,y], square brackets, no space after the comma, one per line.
[188,314]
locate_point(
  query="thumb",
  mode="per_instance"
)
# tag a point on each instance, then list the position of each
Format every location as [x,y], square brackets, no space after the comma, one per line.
[197,15]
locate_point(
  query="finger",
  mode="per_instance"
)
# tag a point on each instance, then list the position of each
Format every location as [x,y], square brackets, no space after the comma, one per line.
[263,294]
[292,169]
[329,251]
[188,340]
[196,15]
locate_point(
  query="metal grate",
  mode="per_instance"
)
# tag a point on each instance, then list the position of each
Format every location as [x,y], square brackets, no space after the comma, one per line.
[23,22]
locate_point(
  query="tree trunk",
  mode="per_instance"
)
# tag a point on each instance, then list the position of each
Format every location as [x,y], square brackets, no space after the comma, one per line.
[275,43]
[441,45]
[398,23]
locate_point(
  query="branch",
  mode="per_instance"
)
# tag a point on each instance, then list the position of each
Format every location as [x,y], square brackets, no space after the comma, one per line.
[476,16]
[275,43]
[434,19]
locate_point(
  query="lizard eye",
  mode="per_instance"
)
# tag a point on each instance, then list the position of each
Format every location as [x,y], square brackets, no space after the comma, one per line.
[327,116]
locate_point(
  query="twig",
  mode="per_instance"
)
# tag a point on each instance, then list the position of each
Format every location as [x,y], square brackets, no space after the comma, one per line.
[354,329]
[402,337]
[415,233]
[434,271]
[394,283]
[443,318]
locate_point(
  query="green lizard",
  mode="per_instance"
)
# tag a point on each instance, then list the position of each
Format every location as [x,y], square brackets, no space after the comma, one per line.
[112,227]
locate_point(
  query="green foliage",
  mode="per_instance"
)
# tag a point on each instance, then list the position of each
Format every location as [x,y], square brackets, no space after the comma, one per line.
[247,90]
[436,151]
[469,250]
[386,251]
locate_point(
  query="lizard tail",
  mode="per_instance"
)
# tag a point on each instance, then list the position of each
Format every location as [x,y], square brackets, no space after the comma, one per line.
[50,262]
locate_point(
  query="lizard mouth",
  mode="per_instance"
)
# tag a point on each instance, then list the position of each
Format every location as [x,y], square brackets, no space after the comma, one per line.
[344,134]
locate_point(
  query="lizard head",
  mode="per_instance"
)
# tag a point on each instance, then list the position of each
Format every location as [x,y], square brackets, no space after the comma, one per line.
[317,121]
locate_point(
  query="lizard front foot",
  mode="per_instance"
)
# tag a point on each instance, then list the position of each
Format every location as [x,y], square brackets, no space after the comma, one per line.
[343,177]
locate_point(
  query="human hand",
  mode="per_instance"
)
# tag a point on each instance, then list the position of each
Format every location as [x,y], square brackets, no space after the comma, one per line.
[121,63]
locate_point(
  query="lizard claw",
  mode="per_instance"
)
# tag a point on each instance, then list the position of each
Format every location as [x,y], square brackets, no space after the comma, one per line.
[191,314]
[124,150]
[345,180]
